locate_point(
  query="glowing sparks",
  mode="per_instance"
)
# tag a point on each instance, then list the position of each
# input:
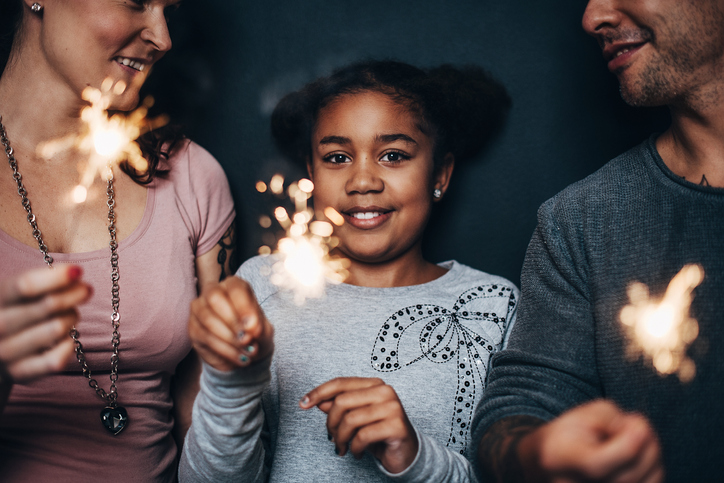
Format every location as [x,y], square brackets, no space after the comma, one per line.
[106,140]
[305,265]
[663,330]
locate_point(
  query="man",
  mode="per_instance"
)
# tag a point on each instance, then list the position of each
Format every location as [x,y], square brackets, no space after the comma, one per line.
[564,403]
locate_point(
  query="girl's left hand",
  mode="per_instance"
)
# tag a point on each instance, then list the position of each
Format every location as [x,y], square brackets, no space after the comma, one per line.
[366,414]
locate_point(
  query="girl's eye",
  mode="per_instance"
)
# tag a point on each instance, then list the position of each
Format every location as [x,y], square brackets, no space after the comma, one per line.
[394,157]
[337,158]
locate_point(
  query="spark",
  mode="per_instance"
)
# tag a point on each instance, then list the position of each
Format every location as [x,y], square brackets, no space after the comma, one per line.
[106,140]
[305,265]
[662,330]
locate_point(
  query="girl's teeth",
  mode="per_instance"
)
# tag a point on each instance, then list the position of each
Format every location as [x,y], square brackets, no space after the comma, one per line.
[130,63]
[365,216]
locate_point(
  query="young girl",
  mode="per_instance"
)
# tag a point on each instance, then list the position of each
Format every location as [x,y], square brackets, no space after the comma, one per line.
[395,358]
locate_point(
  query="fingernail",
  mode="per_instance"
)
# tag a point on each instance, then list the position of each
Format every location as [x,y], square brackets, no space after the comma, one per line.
[240,334]
[304,400]
[250,349]
[74,273]
[336,451]
[329,436]
[243,358]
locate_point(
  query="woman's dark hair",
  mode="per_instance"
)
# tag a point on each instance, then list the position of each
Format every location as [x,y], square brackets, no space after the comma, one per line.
[460,108]
[156,145]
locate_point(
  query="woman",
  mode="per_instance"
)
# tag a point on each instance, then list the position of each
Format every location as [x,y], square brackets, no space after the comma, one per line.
[390,364]
[169,228]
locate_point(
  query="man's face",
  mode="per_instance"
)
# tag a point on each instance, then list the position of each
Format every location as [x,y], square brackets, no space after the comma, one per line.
[662,51]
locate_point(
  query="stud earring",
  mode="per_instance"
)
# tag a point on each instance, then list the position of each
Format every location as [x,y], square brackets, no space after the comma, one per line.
[437,193]
[36,7]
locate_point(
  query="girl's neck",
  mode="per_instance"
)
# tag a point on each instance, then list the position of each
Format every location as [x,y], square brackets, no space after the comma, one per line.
[408,269]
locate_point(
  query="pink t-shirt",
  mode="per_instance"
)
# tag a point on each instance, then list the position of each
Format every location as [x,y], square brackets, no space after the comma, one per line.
[51,428]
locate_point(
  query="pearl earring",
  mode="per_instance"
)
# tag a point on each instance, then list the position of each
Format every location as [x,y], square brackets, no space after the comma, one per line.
[36,7]
[437,193]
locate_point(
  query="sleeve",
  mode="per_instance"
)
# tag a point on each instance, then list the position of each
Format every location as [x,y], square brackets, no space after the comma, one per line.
[225,441]
[204,193]
[433,462]
[549,364]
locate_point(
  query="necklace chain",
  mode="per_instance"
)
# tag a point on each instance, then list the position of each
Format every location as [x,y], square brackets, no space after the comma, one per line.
[112,395]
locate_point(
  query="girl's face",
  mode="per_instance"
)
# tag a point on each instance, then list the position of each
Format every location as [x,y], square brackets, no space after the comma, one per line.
[373,164]
[85,41]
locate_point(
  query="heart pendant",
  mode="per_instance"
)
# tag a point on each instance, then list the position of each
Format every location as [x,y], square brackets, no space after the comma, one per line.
[114,419]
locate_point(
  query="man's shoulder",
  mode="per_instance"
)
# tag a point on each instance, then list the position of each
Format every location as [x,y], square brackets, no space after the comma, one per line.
[608,184]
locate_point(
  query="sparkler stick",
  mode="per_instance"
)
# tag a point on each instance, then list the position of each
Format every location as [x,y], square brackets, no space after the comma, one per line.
[662,330]
[106,140]
[305,265]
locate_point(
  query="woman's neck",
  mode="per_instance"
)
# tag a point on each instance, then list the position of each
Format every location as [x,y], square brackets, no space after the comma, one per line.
[408,269]
[35,106]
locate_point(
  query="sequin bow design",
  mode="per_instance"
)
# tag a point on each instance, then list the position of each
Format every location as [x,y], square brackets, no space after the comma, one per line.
[465,336]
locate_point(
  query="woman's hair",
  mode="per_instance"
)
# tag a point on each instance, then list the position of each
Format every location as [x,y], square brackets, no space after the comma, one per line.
[460,108]
[156,145]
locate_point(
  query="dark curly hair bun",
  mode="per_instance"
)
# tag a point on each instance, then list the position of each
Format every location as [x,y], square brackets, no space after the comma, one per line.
[461,107]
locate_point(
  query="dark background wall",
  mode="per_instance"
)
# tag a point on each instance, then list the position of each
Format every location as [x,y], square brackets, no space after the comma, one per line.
[232,61]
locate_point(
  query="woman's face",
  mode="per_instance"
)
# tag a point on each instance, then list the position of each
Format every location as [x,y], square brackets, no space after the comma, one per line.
[84,42]
[373,164]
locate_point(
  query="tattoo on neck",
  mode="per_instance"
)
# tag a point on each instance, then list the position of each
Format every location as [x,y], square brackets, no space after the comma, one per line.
[703,181]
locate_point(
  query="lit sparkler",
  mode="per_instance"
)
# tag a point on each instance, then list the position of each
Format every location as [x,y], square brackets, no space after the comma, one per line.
[305,265]
[106,140]
[662,330]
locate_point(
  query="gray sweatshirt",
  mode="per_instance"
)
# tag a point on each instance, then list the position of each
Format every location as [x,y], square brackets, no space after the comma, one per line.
[430,342]
[633,220]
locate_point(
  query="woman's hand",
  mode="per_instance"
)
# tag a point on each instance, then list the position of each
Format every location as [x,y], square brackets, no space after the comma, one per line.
[365,414]
[227,326]
[37,311]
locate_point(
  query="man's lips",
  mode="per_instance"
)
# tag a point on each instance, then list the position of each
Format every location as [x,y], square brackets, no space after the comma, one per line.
[620,54]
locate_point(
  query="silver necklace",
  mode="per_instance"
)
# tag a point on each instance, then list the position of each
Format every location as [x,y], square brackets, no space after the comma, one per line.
[113,416]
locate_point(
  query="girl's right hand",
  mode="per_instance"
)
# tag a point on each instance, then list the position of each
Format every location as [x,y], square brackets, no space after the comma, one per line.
[227,327]
[37,311]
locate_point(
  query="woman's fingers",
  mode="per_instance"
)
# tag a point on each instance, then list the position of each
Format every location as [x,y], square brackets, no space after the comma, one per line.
[18,317]
[52,360]
[37,282]
[37,338]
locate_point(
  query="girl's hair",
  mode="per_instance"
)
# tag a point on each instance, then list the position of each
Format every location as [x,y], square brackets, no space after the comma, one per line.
[156,145]
[460,108]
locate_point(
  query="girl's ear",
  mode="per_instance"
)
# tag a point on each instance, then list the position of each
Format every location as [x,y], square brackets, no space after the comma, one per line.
[310,170]
[443,175]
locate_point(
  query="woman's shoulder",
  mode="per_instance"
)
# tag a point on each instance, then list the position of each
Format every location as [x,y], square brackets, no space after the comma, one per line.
[190,159]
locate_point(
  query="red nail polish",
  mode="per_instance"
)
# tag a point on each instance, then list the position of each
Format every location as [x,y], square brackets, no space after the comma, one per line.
[74,273]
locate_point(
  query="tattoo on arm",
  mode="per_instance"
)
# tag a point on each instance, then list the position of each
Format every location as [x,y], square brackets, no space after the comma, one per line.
[227,254]
[498,450]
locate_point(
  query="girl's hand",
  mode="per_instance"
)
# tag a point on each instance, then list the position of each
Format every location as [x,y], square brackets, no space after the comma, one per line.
[37,311]
[227,326]
[365,414]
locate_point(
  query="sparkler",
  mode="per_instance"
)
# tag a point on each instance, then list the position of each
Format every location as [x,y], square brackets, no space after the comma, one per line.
[106,140]
[305,265]
[662,330]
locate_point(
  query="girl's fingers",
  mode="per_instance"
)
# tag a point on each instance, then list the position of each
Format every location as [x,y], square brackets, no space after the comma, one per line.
[53,360]
[37,282]
[205,316]
[355,420]
[215,351]
[331,389]
[16,318]
[250,325]
[376,432]
[347,401]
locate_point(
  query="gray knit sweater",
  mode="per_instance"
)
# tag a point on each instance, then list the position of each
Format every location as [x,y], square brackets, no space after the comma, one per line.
[632,220]
[430,342]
